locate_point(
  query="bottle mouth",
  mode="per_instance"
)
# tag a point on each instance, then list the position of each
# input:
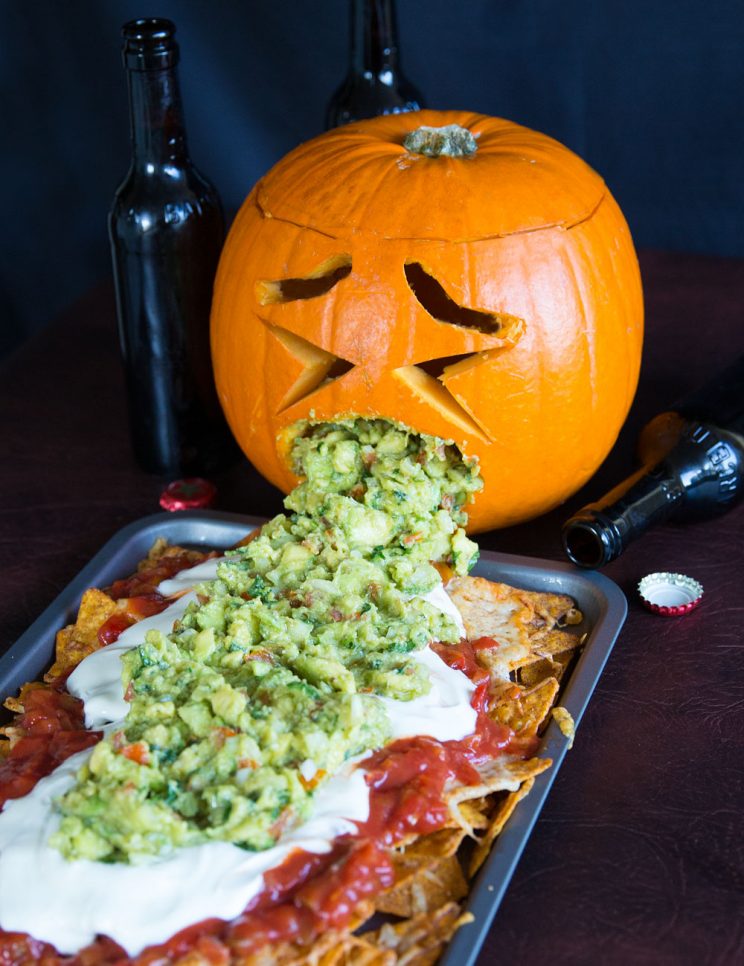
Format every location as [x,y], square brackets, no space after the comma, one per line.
[584,545]
[149,44]
[591,538]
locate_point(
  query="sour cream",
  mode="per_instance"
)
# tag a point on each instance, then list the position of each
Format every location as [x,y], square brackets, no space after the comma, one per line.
[186,579]
[97,679]
[68,903]
[440,599]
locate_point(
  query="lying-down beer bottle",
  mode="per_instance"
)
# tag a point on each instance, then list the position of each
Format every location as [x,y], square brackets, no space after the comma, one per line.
[693,467]
[166,230]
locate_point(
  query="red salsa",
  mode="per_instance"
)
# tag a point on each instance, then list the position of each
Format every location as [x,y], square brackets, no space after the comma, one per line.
[130,611]
[308,894]
[145,581]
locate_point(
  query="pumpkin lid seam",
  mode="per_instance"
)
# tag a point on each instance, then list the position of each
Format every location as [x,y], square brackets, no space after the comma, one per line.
[563,226]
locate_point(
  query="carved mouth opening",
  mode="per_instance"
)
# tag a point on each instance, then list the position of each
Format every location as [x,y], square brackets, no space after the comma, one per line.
[436,367]
[339,368]
[433,392]
[318,282]
[432,297]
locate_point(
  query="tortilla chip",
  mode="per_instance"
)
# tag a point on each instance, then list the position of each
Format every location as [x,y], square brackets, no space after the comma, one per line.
[525,711]
[423,885]
[17,705]
[475,812]
[522,622]
[498,820]
[156,552]
[429,858]
[330,947]
[420,940]
[151,569]
[65,651]
[503,774]
[544,642]
[95,609]
[564,720]
[78,640]
[550,610]
[355,951]
[492,610]
[445,841]
[554,666]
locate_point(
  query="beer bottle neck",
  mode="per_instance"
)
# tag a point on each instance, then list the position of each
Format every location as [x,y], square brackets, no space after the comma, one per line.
[599,533]
[156,119]
[374,39]
[150,55]
[701,474]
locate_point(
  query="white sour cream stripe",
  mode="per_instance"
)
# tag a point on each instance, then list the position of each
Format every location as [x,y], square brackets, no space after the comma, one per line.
[186,579]
[97,679]
[68,903]
[444,713]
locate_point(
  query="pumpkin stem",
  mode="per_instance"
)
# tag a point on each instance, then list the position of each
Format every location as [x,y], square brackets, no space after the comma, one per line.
[450,141]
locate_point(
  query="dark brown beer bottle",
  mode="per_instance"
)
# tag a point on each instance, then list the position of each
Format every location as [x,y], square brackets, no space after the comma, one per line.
[693,468]
[166,230]
[375,83]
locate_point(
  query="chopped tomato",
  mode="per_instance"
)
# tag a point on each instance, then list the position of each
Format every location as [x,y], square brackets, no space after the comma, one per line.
[220,735]
[138,751]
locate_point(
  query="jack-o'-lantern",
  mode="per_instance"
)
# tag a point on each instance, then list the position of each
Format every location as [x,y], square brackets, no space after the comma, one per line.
[475,282]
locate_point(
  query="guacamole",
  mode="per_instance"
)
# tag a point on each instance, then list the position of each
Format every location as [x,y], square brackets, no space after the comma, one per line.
[272,680]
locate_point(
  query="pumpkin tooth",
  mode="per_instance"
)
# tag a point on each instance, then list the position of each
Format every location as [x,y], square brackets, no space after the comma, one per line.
[433,392]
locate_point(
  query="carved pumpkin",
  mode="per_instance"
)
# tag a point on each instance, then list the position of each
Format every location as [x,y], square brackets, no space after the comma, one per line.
[491,298]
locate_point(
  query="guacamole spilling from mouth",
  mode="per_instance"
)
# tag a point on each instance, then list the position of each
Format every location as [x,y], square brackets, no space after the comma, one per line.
[272,680]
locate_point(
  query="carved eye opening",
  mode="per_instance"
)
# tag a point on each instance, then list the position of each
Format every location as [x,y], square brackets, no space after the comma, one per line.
[432,297]
[318,282]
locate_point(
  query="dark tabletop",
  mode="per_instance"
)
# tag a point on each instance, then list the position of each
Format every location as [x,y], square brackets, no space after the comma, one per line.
[638,857]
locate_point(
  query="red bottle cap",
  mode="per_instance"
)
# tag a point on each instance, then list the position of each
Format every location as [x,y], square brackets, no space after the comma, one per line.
[193,493]
[670,594]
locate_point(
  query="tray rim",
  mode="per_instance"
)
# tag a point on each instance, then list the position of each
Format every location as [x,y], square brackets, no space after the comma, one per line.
[21,663]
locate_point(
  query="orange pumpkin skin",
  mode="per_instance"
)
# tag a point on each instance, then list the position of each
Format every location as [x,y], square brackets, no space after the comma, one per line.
[523,230]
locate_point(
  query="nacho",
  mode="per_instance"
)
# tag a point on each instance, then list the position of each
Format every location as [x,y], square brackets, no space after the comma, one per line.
[431,872]
[244,708]
[78,640]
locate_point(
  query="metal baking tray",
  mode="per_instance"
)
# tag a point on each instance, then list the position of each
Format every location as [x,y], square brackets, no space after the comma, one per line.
[601,601]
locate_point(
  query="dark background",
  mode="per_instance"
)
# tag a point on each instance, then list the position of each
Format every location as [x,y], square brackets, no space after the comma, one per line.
[650,92]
